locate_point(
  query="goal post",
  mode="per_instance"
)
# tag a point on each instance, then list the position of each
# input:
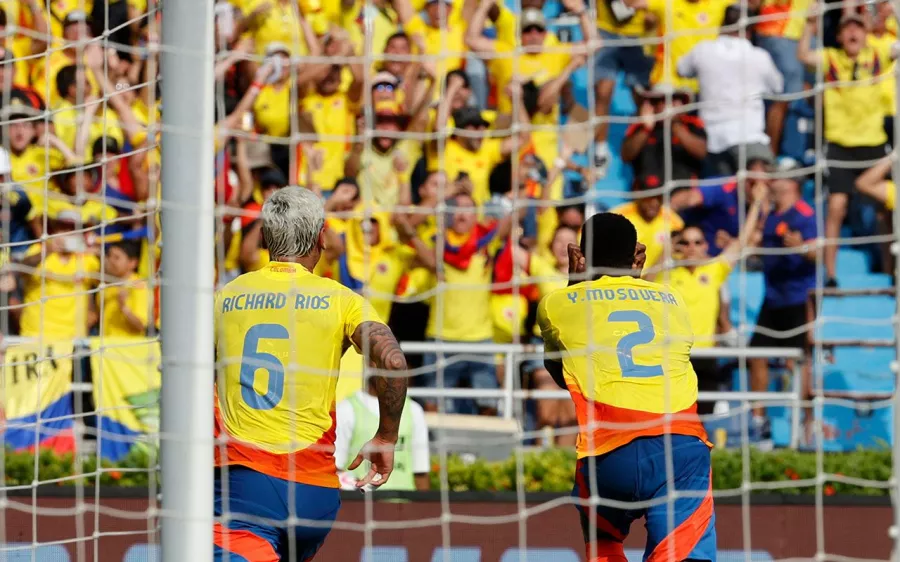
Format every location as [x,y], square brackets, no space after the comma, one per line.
[187,272]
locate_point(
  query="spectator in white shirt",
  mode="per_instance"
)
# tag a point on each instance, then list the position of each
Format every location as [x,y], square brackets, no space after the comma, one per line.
[734,76]
[357,420]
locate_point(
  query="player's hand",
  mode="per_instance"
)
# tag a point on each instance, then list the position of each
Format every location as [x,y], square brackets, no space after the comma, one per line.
[640,258]
[577,265]
[379,452]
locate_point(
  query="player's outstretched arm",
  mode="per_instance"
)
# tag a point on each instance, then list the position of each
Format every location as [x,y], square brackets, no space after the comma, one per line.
[377,340]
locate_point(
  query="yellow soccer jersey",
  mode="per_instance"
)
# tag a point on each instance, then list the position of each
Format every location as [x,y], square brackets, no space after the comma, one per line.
[626,346]
[281,332]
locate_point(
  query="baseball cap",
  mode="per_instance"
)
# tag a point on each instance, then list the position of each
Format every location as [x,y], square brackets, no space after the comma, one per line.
[758,152]
[384,78]
[277,47]
[17,109]
[787,167]
[852,17]
[75,16]
[469,117]
[532,17]
[5,164]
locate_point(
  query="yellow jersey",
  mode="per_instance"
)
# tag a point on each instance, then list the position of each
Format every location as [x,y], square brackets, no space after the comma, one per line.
[334,119]
[654,233]
[691,23]
[853,110]
[56,295]
[272,110]
[447,46]
[606,21]
[478,165]
[281,332]
[137,301]
[379,183]
[700,289]
[625,348]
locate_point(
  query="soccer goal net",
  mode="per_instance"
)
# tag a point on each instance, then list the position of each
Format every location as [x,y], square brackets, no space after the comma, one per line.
[458,147]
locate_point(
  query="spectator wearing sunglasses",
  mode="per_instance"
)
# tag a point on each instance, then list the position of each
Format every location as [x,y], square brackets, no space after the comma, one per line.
[700,280]
[854,117]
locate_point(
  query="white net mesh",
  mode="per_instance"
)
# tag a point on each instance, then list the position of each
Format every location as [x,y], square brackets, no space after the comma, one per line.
[459,147]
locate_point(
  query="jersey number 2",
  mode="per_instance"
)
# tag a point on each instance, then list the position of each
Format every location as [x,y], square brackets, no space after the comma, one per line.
[253,360]
[644,335]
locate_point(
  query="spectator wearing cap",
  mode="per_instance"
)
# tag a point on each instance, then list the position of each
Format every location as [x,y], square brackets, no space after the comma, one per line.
[701,281]
[646,147]
[541,65]
[718,209]
[471,155]
[58,279]
[778,31]
[733,78]
[789,276]
[122,305]
[691,22]
[76,31]
[653,221]
[438,31]
[18,48]
[383,165]
[330,112]
[854,116]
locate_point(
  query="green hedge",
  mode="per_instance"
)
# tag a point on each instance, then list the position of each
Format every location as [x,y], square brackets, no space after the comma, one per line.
[545,471]
[553,471]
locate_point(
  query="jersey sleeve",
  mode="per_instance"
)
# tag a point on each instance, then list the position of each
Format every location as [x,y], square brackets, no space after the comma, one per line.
[354,311]
[549,332]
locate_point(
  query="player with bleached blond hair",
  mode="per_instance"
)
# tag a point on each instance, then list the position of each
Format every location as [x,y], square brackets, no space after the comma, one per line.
[281,332]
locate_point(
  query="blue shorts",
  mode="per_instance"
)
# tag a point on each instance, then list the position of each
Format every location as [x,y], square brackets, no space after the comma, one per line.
[257,529]
[636,472]
[630,59]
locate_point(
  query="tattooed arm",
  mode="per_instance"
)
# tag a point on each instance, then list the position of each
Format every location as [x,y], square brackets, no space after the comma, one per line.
[379,342]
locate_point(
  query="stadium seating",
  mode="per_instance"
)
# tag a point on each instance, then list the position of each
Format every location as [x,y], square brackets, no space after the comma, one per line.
[26,552]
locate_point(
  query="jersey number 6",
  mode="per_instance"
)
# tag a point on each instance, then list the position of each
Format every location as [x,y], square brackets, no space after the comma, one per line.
[254,360]
[644,335]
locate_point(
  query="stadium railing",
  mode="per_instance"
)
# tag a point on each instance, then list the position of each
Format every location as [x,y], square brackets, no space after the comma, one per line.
[514,354]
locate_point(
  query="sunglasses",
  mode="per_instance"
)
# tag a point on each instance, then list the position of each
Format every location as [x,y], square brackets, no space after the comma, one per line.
[532,28]
[691,242]
[383,87]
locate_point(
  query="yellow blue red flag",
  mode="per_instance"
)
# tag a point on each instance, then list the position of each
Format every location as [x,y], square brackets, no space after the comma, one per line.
[126,379]
[37,396]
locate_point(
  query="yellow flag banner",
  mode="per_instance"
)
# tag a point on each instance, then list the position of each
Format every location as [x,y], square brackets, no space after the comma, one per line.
[126,379]
[37,396]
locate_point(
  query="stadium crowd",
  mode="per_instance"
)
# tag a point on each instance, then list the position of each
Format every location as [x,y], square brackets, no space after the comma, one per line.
[335,96]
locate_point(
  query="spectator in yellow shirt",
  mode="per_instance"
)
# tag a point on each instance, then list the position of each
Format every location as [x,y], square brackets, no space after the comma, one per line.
[653,221]
[22,46]
[440,34]
[331,114]
[76,32]
[58,279]
[123,305]
[854,116]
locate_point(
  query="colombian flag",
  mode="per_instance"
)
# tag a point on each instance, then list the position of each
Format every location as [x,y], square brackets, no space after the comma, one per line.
[37,397]
[126,377]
